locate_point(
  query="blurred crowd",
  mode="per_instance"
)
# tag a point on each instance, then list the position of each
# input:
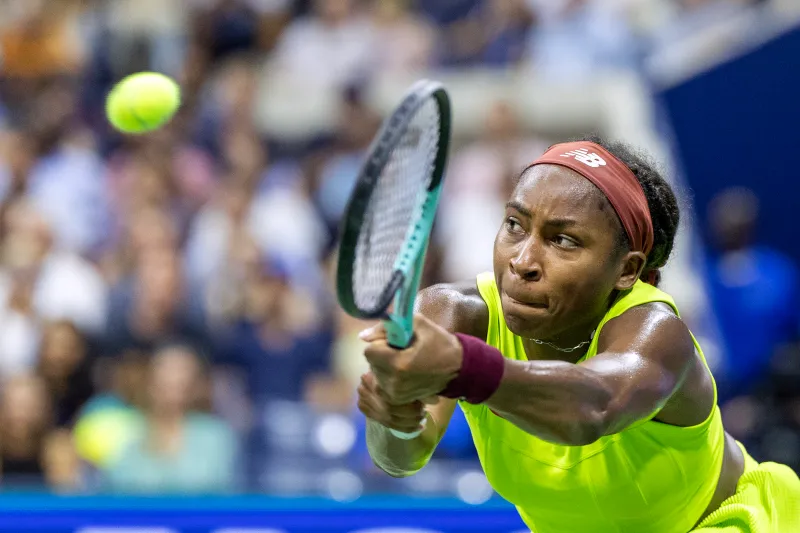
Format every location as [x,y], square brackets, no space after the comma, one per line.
[167,318]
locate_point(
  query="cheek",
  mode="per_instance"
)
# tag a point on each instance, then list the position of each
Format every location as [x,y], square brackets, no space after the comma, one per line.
[497,260]
[500,259]
[583,288]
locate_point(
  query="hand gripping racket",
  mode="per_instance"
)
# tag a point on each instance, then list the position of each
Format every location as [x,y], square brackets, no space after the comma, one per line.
[387,224]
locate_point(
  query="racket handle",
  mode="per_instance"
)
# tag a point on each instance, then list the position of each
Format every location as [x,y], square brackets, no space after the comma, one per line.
[409,436]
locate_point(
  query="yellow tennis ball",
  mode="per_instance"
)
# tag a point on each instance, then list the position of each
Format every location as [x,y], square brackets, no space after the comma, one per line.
[101,436]
[142,102]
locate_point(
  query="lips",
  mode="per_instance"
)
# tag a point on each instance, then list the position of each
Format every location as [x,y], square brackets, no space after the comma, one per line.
[527,300]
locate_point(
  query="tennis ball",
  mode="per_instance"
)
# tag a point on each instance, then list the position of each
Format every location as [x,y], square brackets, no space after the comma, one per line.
[101,436]
[142,102]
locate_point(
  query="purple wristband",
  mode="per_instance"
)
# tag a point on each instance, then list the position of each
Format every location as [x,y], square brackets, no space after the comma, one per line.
[480,374]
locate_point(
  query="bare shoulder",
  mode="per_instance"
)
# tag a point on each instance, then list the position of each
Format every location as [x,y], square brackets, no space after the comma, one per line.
[652,329]
[458,307]
[656,333]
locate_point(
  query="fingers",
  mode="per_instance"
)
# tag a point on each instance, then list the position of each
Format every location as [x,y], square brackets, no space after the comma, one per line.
[405,418]
[374,333]
[378,351]
[405,422]
[368,380]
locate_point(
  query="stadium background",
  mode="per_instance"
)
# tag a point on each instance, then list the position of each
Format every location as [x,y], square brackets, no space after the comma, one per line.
[171,353]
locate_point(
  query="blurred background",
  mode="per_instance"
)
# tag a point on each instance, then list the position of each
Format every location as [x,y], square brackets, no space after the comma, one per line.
[167,317]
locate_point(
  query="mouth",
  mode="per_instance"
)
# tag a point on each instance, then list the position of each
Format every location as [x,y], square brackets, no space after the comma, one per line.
[531,303]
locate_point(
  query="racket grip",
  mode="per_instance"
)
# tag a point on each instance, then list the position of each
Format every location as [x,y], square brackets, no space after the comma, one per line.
[409,436]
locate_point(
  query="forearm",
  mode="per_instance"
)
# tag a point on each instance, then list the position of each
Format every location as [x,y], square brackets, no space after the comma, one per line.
[558,402]
[398,457]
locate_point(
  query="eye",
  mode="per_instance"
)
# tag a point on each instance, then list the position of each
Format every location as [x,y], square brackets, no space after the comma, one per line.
[568,243]
[512,225]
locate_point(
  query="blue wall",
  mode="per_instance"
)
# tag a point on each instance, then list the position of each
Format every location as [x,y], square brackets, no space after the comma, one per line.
[739,124]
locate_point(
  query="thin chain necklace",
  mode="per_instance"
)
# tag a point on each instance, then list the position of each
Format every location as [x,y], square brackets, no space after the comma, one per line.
[584,343]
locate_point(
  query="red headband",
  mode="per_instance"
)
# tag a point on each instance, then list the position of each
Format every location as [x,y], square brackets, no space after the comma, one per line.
[614,179]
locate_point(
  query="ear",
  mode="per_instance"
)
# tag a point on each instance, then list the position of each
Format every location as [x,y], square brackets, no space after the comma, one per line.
[632,264]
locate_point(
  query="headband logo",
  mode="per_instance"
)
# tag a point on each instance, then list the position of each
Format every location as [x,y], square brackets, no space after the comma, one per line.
[590,159]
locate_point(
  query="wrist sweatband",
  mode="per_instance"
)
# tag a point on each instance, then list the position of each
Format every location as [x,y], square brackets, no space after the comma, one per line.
[481,371]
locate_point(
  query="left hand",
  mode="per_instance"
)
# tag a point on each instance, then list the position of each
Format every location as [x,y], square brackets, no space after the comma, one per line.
[420,371]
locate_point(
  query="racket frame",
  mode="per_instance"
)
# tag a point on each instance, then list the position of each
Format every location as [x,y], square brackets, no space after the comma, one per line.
[401,290]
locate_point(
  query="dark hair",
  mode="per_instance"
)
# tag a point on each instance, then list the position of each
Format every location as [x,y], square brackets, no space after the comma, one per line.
[661,200]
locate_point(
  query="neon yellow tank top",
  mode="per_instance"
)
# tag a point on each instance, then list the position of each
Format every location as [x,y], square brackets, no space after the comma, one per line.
[651,477]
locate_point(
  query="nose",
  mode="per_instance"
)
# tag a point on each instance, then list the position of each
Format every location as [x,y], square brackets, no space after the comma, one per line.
[526,264]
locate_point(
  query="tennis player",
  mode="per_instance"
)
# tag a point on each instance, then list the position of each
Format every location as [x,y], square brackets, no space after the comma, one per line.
[590,403]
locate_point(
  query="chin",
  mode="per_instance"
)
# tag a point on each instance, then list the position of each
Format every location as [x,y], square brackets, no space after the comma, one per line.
[528,327]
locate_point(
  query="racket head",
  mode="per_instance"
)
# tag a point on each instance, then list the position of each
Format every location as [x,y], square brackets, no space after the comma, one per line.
[385,202]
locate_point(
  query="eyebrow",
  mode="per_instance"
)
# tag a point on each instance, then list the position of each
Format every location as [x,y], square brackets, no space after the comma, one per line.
[519,207]
[557,222]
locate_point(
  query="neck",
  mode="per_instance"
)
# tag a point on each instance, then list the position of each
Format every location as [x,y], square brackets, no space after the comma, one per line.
[567,339]
[166,433]
[168,419]
[568,346]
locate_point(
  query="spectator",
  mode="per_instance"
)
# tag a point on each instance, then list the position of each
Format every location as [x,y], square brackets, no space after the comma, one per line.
[493,34]
[223,28]
[262,203]
[217,233]
[25,413]
[61,463]
[108,421]
[67,186]
[281,218]
[328,49]
[153,305]
[17,158]
[176,448]
[65,365]
[148,229]
[341,163]
[145,35]
[40,45]
[448,12]
[19,325]
[281,338]
[753,287]
[228,104]
[575,39]
[163,171]
[38,282]
[407,40]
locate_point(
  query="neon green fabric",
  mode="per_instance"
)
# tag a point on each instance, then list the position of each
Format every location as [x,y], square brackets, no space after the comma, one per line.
[651,477]
[767,500]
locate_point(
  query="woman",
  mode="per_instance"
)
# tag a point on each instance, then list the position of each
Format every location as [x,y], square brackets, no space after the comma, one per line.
[590,403]
[173,447]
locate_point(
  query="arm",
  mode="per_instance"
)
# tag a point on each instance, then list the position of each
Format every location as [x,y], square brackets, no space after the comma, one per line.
[644,357]
[456,309]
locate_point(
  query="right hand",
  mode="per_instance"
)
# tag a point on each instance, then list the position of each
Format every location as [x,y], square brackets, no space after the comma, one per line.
[372,402]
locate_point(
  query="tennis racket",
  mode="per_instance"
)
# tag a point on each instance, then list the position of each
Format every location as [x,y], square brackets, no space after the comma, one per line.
[388,220]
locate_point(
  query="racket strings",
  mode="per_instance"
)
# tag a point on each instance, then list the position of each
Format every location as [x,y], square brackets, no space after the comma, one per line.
[394,205]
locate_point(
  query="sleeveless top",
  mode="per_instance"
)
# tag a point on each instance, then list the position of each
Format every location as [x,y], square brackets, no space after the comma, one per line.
[651,477]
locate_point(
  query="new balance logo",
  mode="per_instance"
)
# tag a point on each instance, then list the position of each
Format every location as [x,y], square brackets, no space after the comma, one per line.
[582,154]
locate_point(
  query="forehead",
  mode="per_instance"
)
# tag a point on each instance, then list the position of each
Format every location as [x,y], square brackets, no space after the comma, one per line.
[555,190]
